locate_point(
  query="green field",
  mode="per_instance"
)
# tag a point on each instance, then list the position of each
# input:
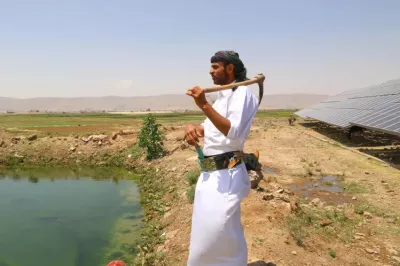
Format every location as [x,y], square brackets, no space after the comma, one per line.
[32,121]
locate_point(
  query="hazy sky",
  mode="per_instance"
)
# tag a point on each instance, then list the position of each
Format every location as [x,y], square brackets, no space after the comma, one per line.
[131,48]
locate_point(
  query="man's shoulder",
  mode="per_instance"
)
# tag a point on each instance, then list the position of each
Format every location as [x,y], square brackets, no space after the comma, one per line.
[246,91]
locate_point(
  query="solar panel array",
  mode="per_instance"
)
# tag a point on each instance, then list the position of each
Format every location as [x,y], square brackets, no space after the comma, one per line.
[375,107]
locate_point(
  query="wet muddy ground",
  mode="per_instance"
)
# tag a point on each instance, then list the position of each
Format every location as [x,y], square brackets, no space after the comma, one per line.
[326,188]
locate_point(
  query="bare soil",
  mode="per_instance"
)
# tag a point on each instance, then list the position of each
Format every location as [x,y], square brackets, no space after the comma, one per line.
[294,157]
[74,129]
[360,225]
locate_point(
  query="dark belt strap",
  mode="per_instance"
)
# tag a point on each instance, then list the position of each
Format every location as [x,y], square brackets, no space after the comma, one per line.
[221,161]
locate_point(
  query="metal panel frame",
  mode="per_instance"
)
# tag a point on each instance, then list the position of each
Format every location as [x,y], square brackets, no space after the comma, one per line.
[358,107]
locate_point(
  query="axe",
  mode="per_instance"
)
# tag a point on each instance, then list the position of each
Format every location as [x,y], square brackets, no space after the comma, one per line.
[259,79]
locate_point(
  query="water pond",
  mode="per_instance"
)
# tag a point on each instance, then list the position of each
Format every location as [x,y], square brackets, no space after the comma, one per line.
[64,217]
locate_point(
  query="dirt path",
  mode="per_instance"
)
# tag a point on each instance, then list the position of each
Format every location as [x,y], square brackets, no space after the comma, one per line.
[359,226]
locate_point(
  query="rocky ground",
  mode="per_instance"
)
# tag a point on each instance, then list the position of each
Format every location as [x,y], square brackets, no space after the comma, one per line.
[317,203]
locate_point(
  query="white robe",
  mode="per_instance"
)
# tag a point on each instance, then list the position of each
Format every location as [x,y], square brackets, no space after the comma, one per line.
[217,236]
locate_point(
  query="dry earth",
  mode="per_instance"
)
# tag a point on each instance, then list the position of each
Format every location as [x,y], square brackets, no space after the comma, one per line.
[293,157]
[284,225]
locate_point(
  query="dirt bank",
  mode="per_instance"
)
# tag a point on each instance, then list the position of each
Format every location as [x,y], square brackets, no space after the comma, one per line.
[293,218]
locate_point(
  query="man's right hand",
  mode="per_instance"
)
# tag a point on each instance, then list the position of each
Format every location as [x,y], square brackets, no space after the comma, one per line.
[193,133]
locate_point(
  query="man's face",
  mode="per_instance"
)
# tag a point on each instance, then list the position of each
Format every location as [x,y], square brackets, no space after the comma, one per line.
[218,73]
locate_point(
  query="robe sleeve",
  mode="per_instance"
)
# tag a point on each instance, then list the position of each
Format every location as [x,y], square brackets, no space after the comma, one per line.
[241,111]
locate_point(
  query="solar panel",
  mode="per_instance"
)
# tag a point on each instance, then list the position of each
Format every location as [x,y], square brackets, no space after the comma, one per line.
[387,119]
[375,107]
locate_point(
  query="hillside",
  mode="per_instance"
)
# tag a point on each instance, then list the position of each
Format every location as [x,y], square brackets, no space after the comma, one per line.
[161,102]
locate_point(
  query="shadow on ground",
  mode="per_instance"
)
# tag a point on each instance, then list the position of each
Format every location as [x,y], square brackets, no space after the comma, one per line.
[367,138]
[367,141]
[261,263]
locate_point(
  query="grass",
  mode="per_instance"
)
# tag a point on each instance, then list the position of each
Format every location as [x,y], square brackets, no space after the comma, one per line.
[311,220]
[192,177]
[19,122]
[297,226]
[135,151]
[354,187]
[259,240]
[332,253]
[365,207]
[361,208]
[190,194]
[24,121]
[153,190]
[276,113]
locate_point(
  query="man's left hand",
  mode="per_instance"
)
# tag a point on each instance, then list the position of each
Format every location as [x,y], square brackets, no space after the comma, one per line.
[198,95]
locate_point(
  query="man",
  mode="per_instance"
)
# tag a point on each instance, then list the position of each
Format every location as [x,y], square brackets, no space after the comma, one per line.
[291,120]
[217,237]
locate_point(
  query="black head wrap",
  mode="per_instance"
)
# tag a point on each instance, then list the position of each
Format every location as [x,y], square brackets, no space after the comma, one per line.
[231,57]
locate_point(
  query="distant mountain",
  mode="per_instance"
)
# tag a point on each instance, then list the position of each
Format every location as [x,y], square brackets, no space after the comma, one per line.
[160,102]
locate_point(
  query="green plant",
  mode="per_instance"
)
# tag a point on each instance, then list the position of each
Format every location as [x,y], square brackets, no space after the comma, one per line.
[151,138]
[190,193]
[298,224]
[152,192]
[354,187]
[192,177]
[332,253]
[332,224]
[135,151]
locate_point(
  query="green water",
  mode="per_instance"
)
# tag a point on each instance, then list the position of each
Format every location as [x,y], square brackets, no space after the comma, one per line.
[67,218]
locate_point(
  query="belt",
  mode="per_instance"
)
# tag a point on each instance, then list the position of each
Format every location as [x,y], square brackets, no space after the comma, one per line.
[226,160]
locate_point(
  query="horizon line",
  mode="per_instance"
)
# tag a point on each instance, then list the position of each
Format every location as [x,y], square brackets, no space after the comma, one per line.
[148,96]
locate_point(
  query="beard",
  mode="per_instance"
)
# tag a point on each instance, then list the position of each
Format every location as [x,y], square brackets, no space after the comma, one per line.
[223,80]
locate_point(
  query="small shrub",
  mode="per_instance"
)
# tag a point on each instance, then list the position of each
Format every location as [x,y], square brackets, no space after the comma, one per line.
[190,194]
[151,138]
[360,208]
[332,253]
[309,171]
[193,176]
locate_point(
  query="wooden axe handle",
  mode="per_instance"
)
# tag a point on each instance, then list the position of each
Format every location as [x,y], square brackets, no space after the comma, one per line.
[257,79]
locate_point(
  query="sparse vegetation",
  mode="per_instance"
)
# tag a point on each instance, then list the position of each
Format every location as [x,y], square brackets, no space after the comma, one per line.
[297,224]
[192,177]
[276,113]
[332,253]
[332,224]
[190,193]
[135,151]
[360,208]
[152,192]
[354,187]
[365,207]
[259,240]
[309,226]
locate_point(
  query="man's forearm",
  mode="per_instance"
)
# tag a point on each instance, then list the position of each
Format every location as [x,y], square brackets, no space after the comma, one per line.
[221,123]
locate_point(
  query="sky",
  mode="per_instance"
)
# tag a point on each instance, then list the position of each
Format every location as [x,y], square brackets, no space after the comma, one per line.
[81,48]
